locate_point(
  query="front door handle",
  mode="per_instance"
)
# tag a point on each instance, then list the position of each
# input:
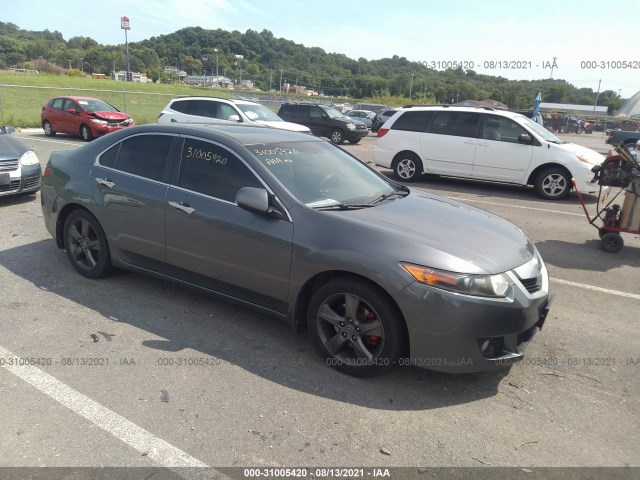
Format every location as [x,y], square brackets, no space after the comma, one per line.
[105,182]
[185,207]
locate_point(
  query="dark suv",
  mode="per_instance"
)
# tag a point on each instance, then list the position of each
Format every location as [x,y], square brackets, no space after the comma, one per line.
[324,121]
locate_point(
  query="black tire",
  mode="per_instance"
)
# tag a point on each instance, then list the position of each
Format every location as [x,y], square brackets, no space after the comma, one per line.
[340,338]
[553,183]
[85,133]
[354,141]
[611,242]
[86,245]
[48,129]
[407,167]
[337,136]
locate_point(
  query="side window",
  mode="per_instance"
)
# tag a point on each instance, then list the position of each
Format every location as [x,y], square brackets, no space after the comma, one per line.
[212,170]
[108,158]
[461,124]
[57,103]
[502,129]
[145,155]
[413,121]
[315,112]
[203,108]
[181,106]
[225,111]
[70,104]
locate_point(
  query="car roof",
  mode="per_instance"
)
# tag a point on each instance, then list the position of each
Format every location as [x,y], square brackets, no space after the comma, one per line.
[242,134]
[454,108]
[217,99]
[73,97]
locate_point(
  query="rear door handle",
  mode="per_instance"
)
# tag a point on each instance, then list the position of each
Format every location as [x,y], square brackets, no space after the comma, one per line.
[105,182]
[185,207]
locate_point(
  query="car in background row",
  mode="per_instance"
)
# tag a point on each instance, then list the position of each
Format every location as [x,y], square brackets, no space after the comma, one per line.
[365,116]
[19,165]
[301,229]
[83,117]
[483,144]
[325,121]
[381,117]
[206,109]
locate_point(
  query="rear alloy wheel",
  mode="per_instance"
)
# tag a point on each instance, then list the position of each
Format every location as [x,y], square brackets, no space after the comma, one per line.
[86,245]
[356,329]
[85,133]
[552,183]
[407,167]
[48,129]
[337,136]
[611,242]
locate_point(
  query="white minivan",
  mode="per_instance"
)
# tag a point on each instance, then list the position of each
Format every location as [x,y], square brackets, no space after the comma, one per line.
[483,144]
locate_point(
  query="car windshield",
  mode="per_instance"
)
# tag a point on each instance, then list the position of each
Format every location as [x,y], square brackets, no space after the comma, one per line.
[259,112]
[91,105]
[538,129]
[333,113]
[321,175]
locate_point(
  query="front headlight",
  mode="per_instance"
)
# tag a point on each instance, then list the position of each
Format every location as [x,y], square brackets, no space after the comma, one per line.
[468,284]
[96,120]
[29,158]
[351,126]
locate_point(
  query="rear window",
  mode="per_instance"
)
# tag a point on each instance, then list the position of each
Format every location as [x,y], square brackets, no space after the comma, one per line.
[181,106]
[413,121]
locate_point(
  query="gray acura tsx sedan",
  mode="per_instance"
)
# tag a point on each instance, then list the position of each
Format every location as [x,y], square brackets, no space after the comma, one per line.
[379,275]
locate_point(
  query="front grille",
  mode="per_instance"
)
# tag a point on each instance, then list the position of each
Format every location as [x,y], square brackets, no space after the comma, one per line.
[119,123]
[8,165]
[531,284]
[32,182]
[14,185]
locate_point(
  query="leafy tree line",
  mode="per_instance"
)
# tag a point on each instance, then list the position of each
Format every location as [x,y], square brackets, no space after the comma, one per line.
[267,60]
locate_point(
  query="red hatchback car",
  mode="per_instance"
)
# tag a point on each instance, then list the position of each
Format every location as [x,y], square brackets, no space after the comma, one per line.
[82,116]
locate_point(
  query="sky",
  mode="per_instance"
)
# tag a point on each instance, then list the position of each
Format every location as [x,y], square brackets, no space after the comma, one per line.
[585,41]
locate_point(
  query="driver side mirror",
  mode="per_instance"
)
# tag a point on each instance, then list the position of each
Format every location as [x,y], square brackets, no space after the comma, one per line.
[234,118]
[256,200]
[525,138]
[7,129]
[71,110]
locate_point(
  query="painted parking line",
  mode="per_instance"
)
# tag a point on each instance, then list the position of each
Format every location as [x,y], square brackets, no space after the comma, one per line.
[596,289]
[160,451]
[517,206]
[49,141]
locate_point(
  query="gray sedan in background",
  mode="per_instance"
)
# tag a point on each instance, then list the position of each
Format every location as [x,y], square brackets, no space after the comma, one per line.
[19,165]
[380,275]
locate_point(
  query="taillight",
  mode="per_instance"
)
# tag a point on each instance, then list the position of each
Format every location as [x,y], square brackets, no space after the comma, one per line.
[382,132]
[47,171]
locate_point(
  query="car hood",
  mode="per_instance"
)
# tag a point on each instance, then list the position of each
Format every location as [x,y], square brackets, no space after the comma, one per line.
[591,156]
[294,127]
[11,148]
[111,116]
[450,235]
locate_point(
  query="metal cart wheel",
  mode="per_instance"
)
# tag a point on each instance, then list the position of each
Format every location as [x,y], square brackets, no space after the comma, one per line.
[611,242]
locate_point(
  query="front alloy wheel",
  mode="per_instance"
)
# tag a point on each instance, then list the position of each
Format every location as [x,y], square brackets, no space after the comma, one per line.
[355,327]
[85,133]
[337,137]
[552,184]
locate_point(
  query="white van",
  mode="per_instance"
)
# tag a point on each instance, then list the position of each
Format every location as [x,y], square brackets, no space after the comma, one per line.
[483,144]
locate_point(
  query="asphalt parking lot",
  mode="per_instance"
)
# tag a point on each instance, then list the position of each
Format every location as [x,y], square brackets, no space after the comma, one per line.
[135,372]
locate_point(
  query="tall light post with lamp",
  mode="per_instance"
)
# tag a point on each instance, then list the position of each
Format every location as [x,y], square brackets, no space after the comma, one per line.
[239,62]
[124,25]
[217,77]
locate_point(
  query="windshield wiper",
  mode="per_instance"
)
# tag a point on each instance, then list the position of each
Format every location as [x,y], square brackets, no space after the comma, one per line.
[395,193]
[344,206]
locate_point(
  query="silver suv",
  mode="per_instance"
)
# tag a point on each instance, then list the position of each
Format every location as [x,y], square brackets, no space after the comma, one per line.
[203,109]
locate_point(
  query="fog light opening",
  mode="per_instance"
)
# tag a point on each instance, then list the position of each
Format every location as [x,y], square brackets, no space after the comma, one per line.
[484,346]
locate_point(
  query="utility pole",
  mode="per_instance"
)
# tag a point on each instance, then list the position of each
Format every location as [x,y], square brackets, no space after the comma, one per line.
[411,85]
[597,95]
[280,83]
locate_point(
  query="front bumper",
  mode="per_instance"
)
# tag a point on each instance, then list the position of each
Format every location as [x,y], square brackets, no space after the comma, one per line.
[99,130]
[22,180]
[356,134]
[457,333]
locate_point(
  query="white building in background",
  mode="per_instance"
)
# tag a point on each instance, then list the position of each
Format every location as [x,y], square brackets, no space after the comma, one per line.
[121,76]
